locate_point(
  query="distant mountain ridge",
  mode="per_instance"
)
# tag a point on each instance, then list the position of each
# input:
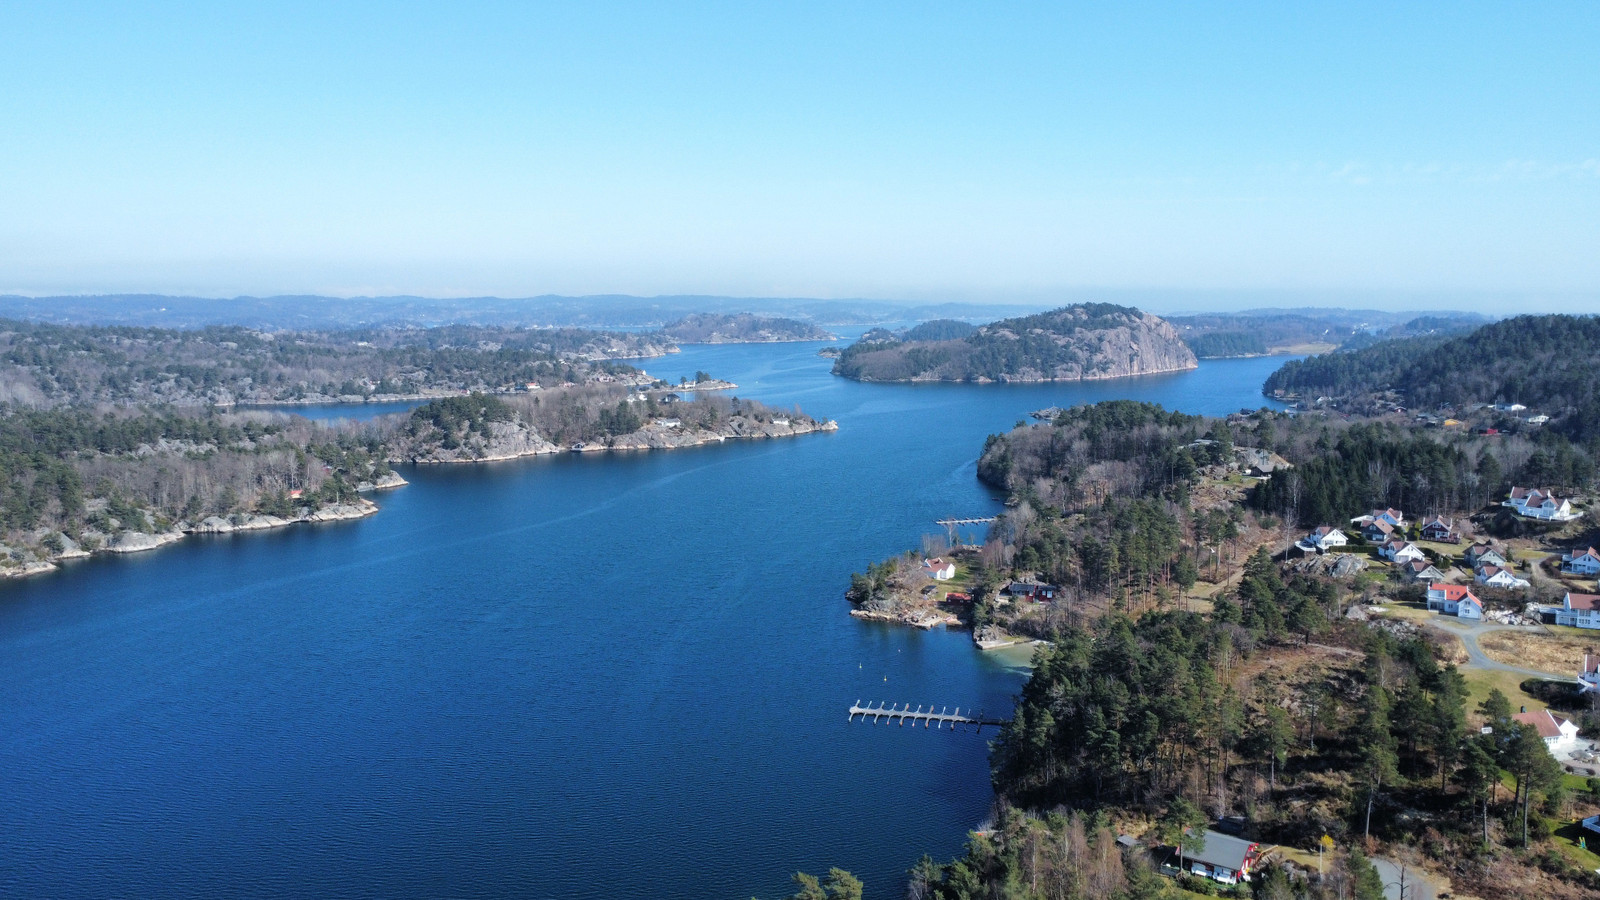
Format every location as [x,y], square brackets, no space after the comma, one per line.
[1082,342]
[317,313]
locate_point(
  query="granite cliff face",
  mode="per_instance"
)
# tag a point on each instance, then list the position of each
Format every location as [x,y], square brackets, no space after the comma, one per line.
[1083,342]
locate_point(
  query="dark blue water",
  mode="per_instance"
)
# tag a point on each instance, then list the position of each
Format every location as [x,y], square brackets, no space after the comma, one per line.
[601,676]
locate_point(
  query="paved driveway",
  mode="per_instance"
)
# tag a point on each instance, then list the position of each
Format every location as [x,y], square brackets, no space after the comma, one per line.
[1470,632]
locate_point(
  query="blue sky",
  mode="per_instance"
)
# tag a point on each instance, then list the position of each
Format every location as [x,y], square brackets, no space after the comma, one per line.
[1345,152]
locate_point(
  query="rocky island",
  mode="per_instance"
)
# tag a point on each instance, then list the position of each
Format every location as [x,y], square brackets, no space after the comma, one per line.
[1083,342]
[483,428]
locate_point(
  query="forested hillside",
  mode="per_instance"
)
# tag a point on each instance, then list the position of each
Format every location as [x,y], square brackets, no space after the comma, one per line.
[53,365]
[1275,704]
[1544,362]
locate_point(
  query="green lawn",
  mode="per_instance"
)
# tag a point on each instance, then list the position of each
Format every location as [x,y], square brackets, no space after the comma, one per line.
[1481,681]
[1566,842]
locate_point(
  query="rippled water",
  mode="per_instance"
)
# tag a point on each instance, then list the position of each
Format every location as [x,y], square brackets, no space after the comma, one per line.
[612,676]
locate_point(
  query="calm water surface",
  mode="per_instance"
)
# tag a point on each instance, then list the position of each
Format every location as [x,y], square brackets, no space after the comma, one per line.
[602,676]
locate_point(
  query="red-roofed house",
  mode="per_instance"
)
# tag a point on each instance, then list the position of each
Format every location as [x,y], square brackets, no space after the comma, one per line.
[1560,735]
[1585,563]
[941,570]
[1579,610]
[1455,600]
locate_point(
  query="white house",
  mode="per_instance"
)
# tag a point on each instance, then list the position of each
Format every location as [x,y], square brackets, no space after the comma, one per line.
[1393,516]
[1585,563]
[1484,554]
[1510,407]
[1538,420]
[1560,734]
[1454,600]
[1400,551]
[1322,539]
[1421,570]
[1589,678]
[939,569]
[1535,503]
[1579,610]
[1494,576]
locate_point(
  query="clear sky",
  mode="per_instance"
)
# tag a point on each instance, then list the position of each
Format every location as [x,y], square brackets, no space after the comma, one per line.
[927,150]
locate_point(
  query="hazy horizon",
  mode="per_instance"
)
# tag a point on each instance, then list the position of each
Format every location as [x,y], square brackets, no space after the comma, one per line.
[1010,155]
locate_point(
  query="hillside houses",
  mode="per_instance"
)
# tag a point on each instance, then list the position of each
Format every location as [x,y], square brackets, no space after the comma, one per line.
[1484,554]
[1454,600]
[1579,610]
[1421,570]
[1540,504]
[1442,530]
[1585,563]
[1399,550]
[1322,539]
[1495,576]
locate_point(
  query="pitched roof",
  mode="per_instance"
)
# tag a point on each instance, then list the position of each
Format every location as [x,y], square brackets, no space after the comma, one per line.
[1574,557]
[1583,601]
[1440,521]
[1545,722]
[1454,592]
[1222,850]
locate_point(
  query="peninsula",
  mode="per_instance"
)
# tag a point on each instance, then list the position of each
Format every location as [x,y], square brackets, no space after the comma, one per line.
[743,328]
[1083,342]
[122,439]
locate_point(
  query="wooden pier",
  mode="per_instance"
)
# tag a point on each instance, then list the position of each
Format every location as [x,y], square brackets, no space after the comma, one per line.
[903,713]
[951,524]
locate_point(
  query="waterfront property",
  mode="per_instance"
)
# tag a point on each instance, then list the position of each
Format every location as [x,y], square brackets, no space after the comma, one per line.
[1455,600]
[939,569]
[1579,610]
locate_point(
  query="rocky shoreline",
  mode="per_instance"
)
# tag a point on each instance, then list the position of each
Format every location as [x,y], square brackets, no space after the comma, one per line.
[25,563]
[514,440]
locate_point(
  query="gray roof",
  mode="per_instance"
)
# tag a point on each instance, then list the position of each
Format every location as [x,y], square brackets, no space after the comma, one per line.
[1222,850]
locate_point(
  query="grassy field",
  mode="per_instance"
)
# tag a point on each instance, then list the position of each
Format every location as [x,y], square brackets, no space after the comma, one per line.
[1558,654]
[1480,682]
